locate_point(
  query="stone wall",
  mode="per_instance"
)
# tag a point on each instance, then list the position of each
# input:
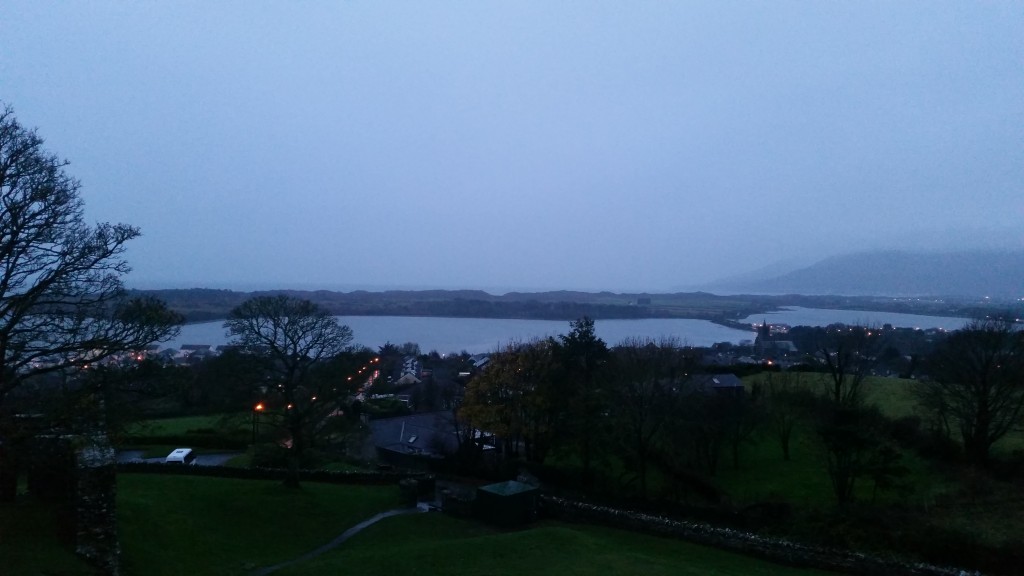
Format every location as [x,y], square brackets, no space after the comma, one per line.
[78,472]
[774,550]
[95,504]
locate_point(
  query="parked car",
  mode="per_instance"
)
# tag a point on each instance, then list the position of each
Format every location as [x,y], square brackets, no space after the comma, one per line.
[181,456]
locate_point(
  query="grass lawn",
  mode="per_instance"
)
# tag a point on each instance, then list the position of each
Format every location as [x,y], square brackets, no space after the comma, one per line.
[174,525]
[192,525]
[427,544]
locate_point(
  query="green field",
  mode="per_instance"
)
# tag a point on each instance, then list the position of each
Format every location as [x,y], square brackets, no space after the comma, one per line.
[763,475]
[174,525]
[182,425]
[433,543]
[191,525]
[210,433]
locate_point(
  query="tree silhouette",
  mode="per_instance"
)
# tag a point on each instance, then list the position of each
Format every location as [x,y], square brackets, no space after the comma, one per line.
[295,337]
[63,306]
[976,384]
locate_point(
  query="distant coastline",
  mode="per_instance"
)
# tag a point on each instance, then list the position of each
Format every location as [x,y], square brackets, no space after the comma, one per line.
[207,305]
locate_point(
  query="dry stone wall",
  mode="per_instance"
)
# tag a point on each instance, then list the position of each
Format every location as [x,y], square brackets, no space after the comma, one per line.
[774,550]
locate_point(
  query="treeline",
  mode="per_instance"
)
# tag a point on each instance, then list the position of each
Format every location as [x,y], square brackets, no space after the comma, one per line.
[642,423]
[645,404]
[644,399]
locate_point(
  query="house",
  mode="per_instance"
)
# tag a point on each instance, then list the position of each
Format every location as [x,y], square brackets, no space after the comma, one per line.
[190,348]
[407,380]
[717,383]
[479,361]
[196,351]
[410,366]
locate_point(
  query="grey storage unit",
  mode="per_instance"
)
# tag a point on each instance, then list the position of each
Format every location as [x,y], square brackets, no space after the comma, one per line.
[507,504]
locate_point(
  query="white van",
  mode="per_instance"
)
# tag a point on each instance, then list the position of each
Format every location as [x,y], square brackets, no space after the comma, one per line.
[181,456]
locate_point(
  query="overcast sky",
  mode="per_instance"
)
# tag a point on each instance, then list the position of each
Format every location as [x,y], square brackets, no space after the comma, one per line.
[524,145]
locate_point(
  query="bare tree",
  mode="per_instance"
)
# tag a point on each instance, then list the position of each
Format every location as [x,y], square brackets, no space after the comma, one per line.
[646,377]
[849,353]
[976,384]
[848,432]
[850,439]
[62,302]
[788,400]
[295,337]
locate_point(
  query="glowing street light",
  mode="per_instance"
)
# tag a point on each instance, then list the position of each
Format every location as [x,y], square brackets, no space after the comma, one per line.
[256,420]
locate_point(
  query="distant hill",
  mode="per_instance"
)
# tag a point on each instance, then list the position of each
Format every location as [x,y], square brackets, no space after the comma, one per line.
[201,304]
[894,273]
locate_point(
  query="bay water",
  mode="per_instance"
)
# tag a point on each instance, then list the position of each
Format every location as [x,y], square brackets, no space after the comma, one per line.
[482,335]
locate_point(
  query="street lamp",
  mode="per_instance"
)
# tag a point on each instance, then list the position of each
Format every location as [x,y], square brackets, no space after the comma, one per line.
[256,420]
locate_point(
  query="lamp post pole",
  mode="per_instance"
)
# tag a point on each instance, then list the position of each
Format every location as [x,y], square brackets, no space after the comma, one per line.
[256,421]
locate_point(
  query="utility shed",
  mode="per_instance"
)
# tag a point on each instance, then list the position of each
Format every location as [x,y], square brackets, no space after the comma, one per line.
[509,503]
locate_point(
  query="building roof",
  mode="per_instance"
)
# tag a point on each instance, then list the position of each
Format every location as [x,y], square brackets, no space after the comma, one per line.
[407,379]
[716,381]
[195,346]
[508,488]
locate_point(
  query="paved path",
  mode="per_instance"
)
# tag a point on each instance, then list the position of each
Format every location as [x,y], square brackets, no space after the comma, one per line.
[421,507]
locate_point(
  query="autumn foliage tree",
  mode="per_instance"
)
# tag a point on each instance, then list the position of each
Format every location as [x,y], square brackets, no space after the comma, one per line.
[494,399]
[515,398]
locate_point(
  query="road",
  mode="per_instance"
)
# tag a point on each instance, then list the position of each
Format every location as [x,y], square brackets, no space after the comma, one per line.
[217,459]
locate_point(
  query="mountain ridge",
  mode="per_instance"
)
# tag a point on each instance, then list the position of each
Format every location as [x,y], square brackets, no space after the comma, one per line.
[899,273]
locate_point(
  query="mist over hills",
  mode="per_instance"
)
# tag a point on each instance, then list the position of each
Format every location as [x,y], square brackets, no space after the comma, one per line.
[995,274]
